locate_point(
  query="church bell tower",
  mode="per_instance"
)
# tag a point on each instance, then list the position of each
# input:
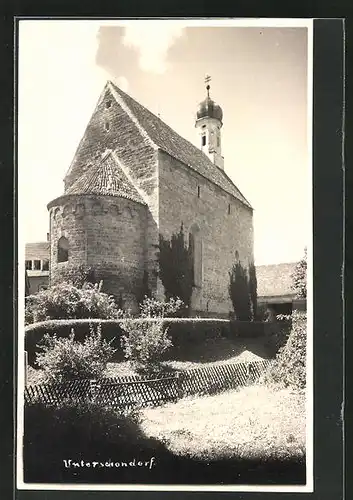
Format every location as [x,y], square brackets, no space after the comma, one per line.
[209,123]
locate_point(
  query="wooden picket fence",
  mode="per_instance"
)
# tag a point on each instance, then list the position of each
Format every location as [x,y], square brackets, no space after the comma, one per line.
[130,392]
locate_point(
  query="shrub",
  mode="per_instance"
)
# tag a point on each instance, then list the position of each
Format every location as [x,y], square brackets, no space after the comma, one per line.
[253,290]
[299,277]
[289,368]
[145,343]
[176,268]
[239,292]
[249,329]
[143,290]
[77,275]
[278,333]
[182,331]
[111,331]
[152,308]
[65,301]
[64,359]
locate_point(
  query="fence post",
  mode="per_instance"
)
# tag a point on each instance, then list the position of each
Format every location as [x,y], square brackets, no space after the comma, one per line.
[25,367]
[180,384]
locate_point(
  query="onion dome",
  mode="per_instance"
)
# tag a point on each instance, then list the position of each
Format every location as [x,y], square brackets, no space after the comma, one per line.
[209,109]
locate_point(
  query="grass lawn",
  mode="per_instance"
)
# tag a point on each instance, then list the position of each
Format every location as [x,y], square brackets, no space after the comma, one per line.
[256,422]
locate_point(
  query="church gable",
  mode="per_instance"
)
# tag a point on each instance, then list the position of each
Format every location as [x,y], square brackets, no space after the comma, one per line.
[105,177]
[112,127]
[135,135]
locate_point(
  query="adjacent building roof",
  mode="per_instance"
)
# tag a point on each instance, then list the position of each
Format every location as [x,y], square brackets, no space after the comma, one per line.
[275,280]
[166,139]
[37,251]
[105,177]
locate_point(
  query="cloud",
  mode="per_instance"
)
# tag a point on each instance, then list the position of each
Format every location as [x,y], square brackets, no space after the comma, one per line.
[59,86]
[152,39]
[122,83]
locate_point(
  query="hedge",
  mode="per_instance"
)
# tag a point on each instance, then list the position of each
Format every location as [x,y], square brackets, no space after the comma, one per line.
[111,331]
[181,330]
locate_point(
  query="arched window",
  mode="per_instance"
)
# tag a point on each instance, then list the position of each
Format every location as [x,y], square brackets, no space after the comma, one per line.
[63,249]
[195,247]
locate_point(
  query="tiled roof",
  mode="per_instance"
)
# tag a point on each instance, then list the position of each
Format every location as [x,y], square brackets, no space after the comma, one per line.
[274,280]
[37,251]
[165,138]
[105,177]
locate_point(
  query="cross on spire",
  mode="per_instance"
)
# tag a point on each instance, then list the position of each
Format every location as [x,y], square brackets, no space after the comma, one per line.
[207,81]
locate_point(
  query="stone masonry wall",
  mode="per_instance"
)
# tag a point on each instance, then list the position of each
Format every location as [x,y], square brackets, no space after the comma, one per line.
[110,127]
[223,234]
[107,233]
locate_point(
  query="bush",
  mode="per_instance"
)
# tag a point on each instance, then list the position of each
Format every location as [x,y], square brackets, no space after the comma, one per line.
[144,344]
[111,331]
[65,301]
[289,368]
[278,333]
[253,290]
[152,308]
[64,359]
[299,279]
[239,292]
[77,275]
[176,268]
[182,331]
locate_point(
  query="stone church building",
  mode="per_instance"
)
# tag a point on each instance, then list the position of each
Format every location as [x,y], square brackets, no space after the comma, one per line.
[133,179]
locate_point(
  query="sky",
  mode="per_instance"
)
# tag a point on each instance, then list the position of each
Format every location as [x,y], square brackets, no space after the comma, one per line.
[259,78]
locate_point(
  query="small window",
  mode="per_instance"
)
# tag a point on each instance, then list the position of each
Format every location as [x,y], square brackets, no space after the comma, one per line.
[28,265]
[107,126]
[36,265]
[63,249]
[45,265]
[203,126]
[203,140]
[198,191]
[228,208]
[108,104]
[218,141]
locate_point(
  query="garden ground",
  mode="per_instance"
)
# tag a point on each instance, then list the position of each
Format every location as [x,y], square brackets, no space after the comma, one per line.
[254,435]
[252,422]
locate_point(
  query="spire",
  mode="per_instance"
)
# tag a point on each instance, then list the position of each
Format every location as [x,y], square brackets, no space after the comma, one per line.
[207,81]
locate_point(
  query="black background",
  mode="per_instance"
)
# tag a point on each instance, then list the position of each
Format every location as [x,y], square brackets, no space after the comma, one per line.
[328,175]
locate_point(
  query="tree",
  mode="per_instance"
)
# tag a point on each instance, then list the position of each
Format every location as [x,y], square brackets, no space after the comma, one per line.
[239,292]
[143,290]
[299,277]
[175,267]
[253,289]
